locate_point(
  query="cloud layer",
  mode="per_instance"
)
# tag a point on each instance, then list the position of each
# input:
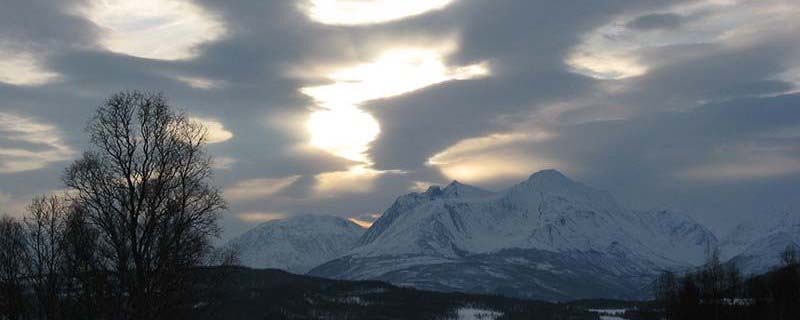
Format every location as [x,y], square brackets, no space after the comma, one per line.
[337,107]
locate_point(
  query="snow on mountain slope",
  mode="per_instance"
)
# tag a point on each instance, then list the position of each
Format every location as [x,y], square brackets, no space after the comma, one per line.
[755,246]
[548,211]
[676,236]
[430,239]
[296,244]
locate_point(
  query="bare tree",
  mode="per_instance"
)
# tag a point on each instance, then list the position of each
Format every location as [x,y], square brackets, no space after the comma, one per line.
[145,187]
[86,287]
[789,255]
[44,228]
[12,257]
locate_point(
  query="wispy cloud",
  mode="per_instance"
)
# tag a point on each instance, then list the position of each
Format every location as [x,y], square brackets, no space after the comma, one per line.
[155,29]
[216,131]
[258,188]
[23,68]
[260,216]
[27,144]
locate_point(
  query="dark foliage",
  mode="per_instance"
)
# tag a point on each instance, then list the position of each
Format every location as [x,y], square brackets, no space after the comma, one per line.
[12,257]
[718,291]
[274,294]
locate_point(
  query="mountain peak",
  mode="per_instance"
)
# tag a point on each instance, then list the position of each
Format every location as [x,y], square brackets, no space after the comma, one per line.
[549,175]
[458,189]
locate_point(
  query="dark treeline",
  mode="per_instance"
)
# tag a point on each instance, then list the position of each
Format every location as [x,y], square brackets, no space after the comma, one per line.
[138,215]
[719,291]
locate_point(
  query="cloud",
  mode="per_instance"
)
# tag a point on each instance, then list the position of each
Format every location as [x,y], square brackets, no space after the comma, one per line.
[343,129]
[199,82]
[11,205]
[261,216]
[622,48]
[23,68]
[493,157]
[27,144]
[258,188]
[754,160]
[154,29]
[467,85]
[356,179]
[358,12]
[224,163]
[655,21]
[215,131]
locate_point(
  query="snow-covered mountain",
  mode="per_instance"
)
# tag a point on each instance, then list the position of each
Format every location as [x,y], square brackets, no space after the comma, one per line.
[676,236]
[296,244]
[755,246]
[547,237]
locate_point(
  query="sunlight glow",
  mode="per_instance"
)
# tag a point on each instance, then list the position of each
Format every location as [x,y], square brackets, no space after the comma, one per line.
[355,12]
[254,189]
[356,179]
[492,157]
[23,69]
[27,144]
[215,130]
[199,82]
[261,216]
[154,29]
[361,223]
[345,132]
[343,129]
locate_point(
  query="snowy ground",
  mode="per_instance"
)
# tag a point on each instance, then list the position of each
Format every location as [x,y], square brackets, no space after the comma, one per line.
[610,314]
[469,313]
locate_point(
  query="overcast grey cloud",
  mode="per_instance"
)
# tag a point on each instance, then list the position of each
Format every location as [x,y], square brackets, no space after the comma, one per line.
[692,105]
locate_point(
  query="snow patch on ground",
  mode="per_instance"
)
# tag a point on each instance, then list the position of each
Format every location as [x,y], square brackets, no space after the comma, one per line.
[472,313]
[610,314]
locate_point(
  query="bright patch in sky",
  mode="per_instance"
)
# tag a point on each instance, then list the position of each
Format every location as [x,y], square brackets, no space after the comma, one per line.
[27,144]
[199,82]
[356,179]
[616,51]
[154,29]
[355,12]
[258,188]
[361,223]
[261,216]
[23,69]
[215,131]
[491,157]
[345,132]
[343,129]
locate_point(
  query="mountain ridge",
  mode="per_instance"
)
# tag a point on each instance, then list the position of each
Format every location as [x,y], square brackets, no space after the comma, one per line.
[296,244]
[576,227]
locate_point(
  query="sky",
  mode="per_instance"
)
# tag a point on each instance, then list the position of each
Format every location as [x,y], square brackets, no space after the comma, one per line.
[338,107]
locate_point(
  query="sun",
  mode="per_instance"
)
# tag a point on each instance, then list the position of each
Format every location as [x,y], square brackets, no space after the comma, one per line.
[345,132]
[339,126]
[356,12]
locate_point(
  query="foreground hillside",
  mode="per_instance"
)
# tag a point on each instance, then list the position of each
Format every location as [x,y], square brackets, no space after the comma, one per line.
[272,294]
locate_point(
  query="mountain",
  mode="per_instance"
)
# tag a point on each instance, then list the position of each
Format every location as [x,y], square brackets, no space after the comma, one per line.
[547,238]
[296,244]
[755,246]
[676,236]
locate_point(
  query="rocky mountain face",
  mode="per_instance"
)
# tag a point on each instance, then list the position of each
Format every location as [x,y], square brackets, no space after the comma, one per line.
[296,244]
[547,237]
